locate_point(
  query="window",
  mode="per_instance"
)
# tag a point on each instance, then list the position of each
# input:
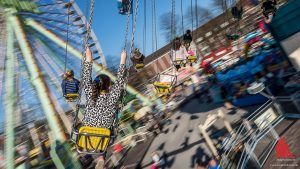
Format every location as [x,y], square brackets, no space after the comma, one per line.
[206,54]
[208,34]
[204,48]
[200,46]
[217,44]
[224,24]
[199,39]
[211,40]
[223,40]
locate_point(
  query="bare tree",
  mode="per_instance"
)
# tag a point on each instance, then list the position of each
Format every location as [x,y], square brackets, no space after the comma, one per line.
[196,16]
[167,27]
[221,5]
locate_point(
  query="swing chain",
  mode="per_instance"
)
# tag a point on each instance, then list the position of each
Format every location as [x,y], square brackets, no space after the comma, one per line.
[131,54]
[89,25]
[196,14]
[192,15]
[145,27]
[155,30]
[173,27]
[88,29]
[67,42]
[127,25]
[172,30]
[154,33]
[181,11]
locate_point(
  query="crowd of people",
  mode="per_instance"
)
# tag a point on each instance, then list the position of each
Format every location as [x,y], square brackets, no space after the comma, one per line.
[159,161]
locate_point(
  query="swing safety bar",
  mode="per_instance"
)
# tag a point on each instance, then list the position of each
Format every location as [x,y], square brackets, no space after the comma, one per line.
[179,61]
[72,97]
[182,62]
[139,65]
[192,59]
[164,88]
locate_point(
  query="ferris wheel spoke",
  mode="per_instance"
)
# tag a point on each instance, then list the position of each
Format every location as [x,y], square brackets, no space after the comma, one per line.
[36,17]
[51,4]
[63,37]
[73,38]
[55,27]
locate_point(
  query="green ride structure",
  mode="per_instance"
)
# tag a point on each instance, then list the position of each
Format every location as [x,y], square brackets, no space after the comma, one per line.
[39,36]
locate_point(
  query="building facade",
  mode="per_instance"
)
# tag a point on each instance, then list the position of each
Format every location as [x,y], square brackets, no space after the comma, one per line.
[208,38]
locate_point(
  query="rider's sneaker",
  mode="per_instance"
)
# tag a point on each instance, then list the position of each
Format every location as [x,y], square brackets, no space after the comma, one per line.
[100,163]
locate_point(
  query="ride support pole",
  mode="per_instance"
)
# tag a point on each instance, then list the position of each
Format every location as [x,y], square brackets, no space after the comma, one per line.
[208,141]
[9,97]
[36,77]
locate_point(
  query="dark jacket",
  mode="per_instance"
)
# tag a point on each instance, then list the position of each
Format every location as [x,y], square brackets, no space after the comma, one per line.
[70,86]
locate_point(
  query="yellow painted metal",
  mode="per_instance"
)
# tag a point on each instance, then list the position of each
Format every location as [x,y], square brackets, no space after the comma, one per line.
[91,142]
[9,99]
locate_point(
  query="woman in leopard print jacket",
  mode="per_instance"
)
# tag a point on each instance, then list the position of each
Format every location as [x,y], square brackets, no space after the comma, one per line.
[102,99]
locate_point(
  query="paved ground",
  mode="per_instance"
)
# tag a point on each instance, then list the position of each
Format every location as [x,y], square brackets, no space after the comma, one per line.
[181,142]
[136,153]
[289,130]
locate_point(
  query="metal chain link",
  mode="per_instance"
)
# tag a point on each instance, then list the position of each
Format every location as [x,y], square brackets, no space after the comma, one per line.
[192,15]
[173,32]
[67,42]
[155,30]
[196,14]
[145,27]
[153,33]
[172,29]
[181,11]
[88,29]
[131,54]
[152,25]
[127,25]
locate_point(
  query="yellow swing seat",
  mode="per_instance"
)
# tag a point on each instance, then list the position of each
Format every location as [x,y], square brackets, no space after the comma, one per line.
[192,59]
[92,140]
[72,96]
[178,61]
[162,88]
[139,65]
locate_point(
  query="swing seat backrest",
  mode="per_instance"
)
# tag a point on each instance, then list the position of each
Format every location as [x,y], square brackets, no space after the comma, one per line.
[139,65]
[93,139]
[164,88]
[192,59]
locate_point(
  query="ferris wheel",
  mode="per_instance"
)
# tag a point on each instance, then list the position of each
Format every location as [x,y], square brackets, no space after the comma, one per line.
[46,39]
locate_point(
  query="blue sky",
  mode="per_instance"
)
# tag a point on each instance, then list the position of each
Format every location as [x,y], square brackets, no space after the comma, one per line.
[109,26]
